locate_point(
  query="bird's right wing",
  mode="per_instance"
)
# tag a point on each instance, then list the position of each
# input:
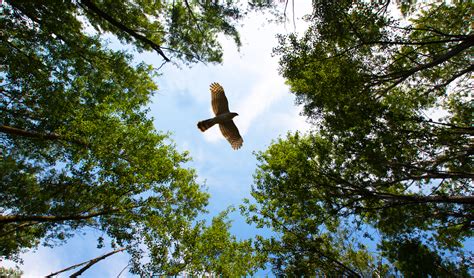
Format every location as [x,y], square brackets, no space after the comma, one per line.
[231,133]
[219,101]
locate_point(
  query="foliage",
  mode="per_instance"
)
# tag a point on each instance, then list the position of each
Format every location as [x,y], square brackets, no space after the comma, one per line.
[314,239]
[187,30]
[391,149]
[202,250]
[415,259]
[214,250]
[79,151]
[10,272]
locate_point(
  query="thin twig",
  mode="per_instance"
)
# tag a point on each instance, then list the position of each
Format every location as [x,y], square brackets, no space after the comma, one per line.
[293,7]
[120,273]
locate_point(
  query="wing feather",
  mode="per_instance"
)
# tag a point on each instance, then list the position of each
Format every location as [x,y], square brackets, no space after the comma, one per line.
[219,101]
[231,133]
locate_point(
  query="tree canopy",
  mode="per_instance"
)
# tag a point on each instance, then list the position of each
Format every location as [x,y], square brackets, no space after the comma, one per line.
[390,156]
[78,150]
[173,29]
[382,184]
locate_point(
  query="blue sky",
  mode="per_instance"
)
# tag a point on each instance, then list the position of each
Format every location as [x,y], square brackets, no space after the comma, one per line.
[266,110]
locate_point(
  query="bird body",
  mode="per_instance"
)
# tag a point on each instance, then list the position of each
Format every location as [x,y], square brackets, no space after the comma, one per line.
[219,119]
[223,117]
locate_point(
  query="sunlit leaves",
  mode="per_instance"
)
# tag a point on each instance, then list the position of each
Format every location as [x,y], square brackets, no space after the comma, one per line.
[379,157]
[80,153]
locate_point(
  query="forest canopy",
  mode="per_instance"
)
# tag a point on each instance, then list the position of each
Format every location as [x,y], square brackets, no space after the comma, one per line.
[79,151]
[389,160]
[381,185]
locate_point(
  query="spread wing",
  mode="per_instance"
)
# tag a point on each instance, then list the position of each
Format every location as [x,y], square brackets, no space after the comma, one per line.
[231,133]
[219,101]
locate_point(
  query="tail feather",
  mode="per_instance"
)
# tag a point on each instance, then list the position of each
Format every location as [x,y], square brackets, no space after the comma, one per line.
[206,124]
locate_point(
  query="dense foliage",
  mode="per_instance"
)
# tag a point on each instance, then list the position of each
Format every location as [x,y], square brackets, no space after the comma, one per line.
[173,29]
[390,156]
[78,151]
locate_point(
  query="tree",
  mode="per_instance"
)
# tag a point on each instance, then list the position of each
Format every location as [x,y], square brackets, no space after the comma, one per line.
[213,250]
[381,157]
[10,273]
[78,149]
[202,250]
[313,240]
[86,265]
[180,29]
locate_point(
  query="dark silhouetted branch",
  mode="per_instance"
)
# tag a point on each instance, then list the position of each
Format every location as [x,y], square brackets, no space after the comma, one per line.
[87,264]
[92,7]
[401,76]
[52,218]
[38,135]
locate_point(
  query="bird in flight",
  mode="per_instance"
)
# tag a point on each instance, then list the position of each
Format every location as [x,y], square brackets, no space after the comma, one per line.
[223,117]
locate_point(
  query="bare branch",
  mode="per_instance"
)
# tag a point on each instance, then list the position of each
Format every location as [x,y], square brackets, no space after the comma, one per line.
[94,261]
[89,264]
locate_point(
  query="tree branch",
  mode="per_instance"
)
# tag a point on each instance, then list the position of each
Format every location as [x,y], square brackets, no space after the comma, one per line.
[37,135]
[89,264]
[429,29]
[31,134]
[454,77]
[413,43]
[94,261]
[17,228]
[361,190]
[93,8]
[192,16]
[52,218]
[429,199]
[403,75]
[315,250]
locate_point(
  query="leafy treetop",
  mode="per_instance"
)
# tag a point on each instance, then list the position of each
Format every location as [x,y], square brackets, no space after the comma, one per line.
[379,158]
[79,151]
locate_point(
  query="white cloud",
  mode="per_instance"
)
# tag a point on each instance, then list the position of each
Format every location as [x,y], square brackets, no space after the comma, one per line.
[255,65]
[292,120]
[255,91]
[38,263]
[45,260]
[250,78]
[213,134]
[262,95]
